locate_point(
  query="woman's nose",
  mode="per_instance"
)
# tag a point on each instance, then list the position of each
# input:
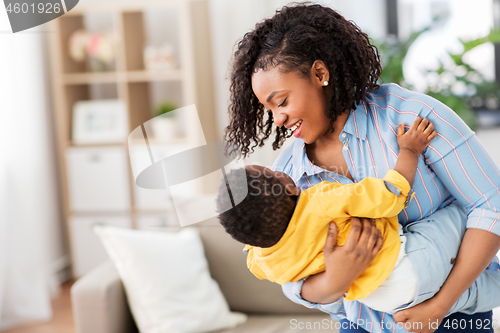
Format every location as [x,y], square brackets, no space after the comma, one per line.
[279,119]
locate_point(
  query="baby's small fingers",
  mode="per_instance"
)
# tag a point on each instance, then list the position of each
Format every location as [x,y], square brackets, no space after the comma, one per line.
[432,136]
[429,129]
[415,124]
[401,129]
[423,124]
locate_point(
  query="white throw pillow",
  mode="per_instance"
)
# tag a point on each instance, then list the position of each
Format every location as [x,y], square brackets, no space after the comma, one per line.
[167,280]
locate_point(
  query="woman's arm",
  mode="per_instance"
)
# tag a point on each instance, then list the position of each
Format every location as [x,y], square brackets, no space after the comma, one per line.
[477,249]
[461,163]
[473,179]
[476,252]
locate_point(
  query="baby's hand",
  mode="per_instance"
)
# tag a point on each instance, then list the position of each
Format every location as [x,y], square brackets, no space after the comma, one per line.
[418,136]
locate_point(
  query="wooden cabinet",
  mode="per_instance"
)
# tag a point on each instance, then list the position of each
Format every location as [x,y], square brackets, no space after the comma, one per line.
[97,178]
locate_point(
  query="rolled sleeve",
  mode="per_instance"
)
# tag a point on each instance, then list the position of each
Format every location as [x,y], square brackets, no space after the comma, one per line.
[393,189]
[484,219]
[292,290]
[396,183]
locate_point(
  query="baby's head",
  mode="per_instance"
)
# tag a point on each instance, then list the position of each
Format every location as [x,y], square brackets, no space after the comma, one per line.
[263,216]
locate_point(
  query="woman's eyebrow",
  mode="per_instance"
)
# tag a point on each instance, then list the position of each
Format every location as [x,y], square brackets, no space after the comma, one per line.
[272,95]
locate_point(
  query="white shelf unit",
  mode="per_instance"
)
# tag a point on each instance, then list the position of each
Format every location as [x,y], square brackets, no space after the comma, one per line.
[89,173]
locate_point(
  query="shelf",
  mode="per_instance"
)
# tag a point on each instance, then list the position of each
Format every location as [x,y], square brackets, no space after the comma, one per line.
[130,76]
[73,144]
[146,76]
[149,211]
[99,213]
[155,142]
[86,78]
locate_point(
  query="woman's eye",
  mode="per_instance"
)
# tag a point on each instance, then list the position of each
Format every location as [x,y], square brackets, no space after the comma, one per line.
[283,103]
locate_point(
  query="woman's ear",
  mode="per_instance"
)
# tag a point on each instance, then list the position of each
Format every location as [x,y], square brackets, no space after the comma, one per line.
[320,73]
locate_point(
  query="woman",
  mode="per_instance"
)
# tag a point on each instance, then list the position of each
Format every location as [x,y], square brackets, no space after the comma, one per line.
[316,74]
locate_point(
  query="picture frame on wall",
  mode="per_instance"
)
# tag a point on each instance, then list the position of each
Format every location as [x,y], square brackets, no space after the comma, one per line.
[99,121]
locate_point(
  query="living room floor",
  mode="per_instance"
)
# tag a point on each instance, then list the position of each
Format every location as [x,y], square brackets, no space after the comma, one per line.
[62,320]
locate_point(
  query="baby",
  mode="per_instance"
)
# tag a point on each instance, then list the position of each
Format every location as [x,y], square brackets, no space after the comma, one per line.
[285,229]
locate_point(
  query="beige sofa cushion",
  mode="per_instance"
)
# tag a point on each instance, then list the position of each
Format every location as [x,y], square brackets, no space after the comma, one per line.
[243,291]
[167,279]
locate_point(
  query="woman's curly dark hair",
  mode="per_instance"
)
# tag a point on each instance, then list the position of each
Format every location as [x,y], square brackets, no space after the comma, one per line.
[295,37]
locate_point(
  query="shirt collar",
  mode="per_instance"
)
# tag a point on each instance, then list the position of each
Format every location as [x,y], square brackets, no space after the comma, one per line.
[301,161]
[357,122]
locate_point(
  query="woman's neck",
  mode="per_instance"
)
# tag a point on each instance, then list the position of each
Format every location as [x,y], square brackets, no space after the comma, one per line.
[326,151]
[329,138]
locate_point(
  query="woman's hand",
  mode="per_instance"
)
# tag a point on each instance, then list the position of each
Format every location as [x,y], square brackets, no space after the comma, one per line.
[422,318]
[354,257]
[343,263]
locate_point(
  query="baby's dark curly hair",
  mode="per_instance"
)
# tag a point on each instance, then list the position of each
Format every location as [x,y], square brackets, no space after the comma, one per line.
[263,215]
[295,37]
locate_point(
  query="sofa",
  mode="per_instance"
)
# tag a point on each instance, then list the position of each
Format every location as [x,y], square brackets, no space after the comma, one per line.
[100,304]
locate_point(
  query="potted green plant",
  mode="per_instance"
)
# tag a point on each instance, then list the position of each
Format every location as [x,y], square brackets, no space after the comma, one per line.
[478,91]
[164,123]
[461,86]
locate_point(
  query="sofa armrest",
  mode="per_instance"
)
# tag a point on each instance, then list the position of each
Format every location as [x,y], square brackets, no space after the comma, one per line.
[99,302]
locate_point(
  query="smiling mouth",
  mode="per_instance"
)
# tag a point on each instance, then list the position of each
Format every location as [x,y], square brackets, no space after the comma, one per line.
[297,124]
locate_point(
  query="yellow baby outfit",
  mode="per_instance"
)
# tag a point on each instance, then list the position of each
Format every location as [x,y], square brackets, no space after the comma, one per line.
[299,252]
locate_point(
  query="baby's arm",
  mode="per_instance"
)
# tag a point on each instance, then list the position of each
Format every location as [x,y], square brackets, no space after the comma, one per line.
[371,197]
[411,145]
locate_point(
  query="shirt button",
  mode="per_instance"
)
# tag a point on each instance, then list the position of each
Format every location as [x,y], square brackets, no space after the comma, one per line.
[345,148]
[343,135]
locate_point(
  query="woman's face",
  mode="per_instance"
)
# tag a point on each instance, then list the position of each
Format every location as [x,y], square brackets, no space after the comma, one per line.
[297,103]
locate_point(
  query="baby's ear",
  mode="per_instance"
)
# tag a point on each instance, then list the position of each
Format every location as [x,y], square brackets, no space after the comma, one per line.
[292,189]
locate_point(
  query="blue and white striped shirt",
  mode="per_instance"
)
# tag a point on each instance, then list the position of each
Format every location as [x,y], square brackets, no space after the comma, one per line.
[455,166]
